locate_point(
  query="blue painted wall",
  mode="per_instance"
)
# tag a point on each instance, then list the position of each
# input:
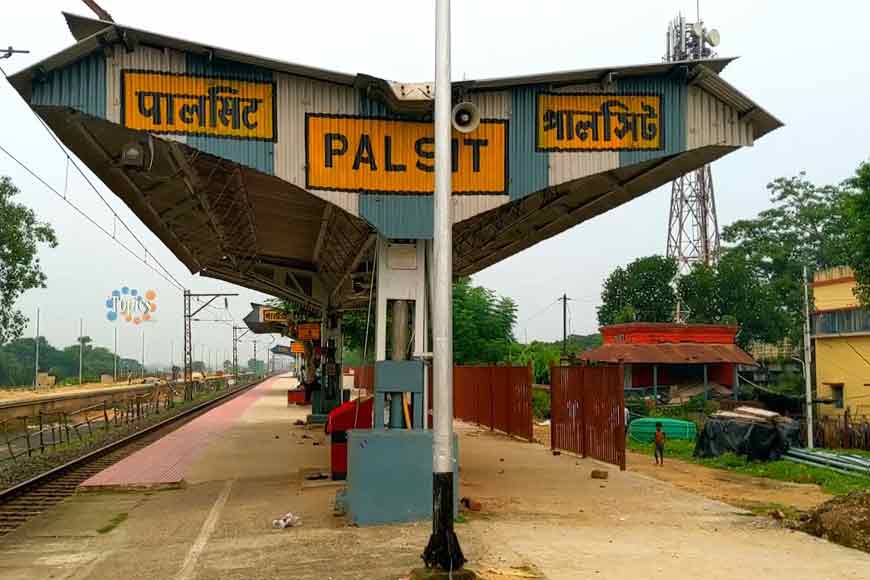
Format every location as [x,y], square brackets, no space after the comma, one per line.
[529,169]
[80,85]
[257,154]
[674,106]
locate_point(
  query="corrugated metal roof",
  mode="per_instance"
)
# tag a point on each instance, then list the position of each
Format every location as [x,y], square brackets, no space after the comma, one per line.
[669,353]
[92,34]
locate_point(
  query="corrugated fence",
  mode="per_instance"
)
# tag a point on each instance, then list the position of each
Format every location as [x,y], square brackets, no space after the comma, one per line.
[498,397]
[587,412]
[494,396]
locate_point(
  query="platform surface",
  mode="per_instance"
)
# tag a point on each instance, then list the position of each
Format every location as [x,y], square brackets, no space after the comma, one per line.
[167,460]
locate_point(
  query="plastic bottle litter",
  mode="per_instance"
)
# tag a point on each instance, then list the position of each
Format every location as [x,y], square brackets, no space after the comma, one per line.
[288,520]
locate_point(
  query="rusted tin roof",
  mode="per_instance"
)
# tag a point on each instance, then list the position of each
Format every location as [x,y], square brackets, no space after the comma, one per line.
[669,353]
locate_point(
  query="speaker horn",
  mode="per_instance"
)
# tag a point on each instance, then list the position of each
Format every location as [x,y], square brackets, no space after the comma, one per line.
[466,117]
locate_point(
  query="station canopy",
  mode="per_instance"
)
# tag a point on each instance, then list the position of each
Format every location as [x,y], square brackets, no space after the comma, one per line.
[280,177]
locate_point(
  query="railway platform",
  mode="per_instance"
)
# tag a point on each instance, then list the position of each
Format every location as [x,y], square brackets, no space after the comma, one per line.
[542,516]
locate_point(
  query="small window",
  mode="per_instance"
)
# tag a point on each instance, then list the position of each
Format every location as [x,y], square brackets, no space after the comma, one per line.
[837,395]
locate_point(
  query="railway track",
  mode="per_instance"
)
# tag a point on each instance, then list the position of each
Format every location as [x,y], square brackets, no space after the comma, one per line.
[25,500]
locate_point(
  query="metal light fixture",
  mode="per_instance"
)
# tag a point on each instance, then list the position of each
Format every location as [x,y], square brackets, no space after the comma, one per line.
[133,155]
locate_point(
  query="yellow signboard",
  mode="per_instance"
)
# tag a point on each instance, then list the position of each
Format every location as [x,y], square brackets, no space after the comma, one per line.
[274,315]
[308,331]
[599,122]
[366,154]
[297,347]
[160,102]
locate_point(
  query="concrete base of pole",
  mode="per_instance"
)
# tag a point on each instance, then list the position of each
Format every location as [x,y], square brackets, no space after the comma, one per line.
[437,574]
[443,551]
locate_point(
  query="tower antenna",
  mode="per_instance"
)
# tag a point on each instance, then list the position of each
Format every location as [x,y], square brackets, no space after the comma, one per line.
[693,227]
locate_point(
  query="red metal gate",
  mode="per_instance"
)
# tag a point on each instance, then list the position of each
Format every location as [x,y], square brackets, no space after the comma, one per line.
[494,396]
[588,412]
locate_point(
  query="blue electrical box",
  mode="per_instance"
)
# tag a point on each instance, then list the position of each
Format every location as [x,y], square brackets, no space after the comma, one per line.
[389,476]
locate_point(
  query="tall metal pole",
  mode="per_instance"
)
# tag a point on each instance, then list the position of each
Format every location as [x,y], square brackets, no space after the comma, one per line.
[36,340]
[142,374]
[808,353]
[81,347]
[443,551]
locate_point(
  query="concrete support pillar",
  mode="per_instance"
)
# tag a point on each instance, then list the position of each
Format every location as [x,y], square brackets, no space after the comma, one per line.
[399,348]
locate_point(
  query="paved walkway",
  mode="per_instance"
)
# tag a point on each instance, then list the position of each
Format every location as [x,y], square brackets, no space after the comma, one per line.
[167,460]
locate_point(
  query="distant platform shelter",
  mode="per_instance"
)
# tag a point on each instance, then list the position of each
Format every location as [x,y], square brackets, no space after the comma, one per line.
[682,360]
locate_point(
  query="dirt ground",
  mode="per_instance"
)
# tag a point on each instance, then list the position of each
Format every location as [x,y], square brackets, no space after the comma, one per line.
[542,516]
[732,488]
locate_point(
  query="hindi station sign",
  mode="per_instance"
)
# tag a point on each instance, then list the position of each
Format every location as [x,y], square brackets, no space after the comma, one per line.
[599,122]
[369,154]
[161,102]
[273,315]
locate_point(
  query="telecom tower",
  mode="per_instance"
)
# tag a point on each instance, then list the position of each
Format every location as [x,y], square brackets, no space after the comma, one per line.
[693,229]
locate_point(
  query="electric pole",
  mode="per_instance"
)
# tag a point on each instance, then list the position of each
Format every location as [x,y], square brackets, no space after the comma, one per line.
[564,300]
[115,359]
[808,353]
[36,370]
[81,347]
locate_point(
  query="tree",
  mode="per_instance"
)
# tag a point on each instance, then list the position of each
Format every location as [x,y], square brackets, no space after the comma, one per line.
[21,234]
[482,324]
[858,217]
[730,293]
[808,226]
[641,291]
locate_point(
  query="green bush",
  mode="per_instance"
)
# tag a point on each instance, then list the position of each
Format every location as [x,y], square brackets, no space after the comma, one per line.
[540,404]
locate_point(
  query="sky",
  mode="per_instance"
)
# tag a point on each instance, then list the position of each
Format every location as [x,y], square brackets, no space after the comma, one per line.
[803,62]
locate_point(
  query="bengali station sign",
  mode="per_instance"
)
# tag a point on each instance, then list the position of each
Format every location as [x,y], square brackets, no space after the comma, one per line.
[365,154]
[599,122]
[297,347]
[160,102]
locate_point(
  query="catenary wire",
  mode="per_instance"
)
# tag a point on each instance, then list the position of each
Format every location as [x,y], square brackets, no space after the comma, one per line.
[115,215]
[169,278]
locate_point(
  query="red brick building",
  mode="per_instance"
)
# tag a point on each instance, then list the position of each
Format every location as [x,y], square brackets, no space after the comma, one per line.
[656,355]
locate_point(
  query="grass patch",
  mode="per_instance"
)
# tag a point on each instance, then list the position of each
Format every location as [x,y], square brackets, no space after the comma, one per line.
[116,521]
[782,470]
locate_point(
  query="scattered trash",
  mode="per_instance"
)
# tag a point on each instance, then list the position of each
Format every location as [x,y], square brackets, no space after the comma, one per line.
[777,515]
[471,504]
[277,437]
[317,476]
[557,452]
[316,443]
[306,436]
[288,520]
[501,471]
[501,459]
[600,474]
[298,422]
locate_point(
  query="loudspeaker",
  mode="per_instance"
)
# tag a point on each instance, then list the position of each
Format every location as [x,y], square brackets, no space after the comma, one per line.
[466,117]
